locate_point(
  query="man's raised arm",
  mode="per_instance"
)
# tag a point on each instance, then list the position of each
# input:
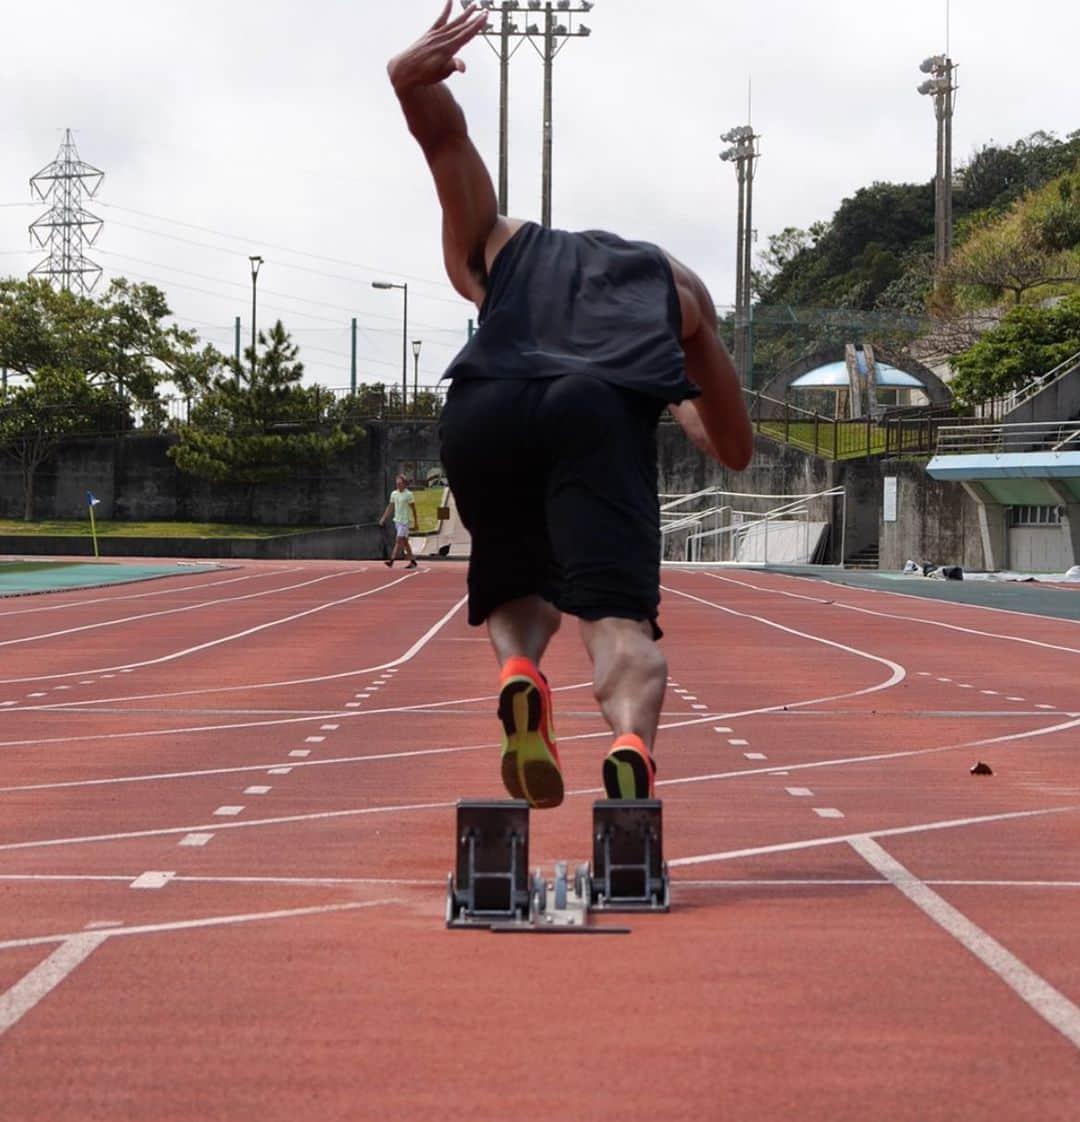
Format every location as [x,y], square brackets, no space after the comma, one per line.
[469,206]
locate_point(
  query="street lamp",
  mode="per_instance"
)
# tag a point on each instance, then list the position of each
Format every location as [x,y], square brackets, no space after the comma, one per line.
[942,88]
[547,41]
[743,153]
[416,345]
[256,262]
[404,336]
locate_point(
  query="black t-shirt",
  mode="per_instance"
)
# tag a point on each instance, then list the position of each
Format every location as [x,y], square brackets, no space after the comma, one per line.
[579,303]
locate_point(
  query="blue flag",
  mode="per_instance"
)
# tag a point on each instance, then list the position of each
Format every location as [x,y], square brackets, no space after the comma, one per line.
[91,499]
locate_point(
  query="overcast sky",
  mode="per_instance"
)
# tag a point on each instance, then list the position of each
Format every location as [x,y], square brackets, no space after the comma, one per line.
[268,127]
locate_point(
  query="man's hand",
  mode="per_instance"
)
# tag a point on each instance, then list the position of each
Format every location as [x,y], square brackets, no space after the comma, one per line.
[433,57]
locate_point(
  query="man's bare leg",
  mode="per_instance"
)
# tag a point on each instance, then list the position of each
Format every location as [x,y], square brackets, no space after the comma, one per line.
[520,631]
[523,627]
[629,675]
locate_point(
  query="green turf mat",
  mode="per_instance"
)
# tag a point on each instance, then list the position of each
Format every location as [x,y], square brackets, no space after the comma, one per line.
[52,576]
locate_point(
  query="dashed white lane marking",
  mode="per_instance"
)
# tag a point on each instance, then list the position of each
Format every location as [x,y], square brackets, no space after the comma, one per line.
[257,790]
[228,811]
[195,839]
[278,771]
[699,706]
[721,728]
[924,673]
[46,976]
[329,728]
[314,739]
[688,696]
[37,695]
[152,880]
[1045,706]
[755,755]
[300,753]
[964,686]
[944,679]
[1052,1005]
[1016,699]
[990,693]
[353,704]
[828,812]
[737,742]
[96,924]
[799,792]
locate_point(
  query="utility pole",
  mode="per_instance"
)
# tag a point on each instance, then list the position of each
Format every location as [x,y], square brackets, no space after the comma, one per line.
[743,153]
[553,36]
[67,228]
[941,86]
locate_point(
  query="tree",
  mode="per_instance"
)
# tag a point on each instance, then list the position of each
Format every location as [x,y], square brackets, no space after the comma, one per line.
[257,423]
[120,341]
[1028,342]
[35,418]
[1006,257]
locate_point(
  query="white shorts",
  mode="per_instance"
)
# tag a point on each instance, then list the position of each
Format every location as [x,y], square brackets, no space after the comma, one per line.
[401,529]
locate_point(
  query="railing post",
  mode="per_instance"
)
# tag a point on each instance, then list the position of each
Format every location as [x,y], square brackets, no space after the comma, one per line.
[835,427]
[787,421]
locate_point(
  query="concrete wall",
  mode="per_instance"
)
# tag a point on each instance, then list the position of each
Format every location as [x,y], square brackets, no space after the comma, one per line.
[136,481]
[937,521]
[1057,401]
[779,469]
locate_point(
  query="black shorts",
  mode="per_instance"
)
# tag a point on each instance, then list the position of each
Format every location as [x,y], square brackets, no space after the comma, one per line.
[555,479]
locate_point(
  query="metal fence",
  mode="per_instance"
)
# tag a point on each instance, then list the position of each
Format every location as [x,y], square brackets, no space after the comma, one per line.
[997,440]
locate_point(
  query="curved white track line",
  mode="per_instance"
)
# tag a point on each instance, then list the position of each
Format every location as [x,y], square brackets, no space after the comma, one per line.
[212,642]
[165,612]
[912,619]
[148,593]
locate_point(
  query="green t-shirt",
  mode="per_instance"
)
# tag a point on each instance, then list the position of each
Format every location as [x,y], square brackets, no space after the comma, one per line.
[402,500]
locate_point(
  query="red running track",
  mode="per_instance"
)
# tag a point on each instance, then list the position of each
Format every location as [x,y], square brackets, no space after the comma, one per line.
[228,818]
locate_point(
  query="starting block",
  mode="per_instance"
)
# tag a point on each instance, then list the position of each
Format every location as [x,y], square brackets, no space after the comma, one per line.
[492,887]
[628,869]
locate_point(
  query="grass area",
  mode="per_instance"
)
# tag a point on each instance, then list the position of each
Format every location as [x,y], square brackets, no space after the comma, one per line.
[427,502]
[80,528]
[851,440]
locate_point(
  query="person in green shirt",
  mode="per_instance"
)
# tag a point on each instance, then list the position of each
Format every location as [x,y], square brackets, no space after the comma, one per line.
[403,507]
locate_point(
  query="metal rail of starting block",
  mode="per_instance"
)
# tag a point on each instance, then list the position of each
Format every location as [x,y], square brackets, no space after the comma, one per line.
[492,888]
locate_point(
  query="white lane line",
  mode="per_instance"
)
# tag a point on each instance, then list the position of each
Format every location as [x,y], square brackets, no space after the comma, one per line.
[1050,1004]
[699,707]
[164,612]
[329,728]
[228,811]
[181,925]
[944,679]
[353,704]
[799,792]
[95,924]
[195,839]
[300,753]
[816,843]
[755,755]
[220,641]
[868,882]
[314,739]
[47,975]
[152,880]
[828,812]
[1045,706]
[991,693]
[257,790]
[911,619]
[738,742]
[278,771]
[1016,699]
[721,728]
[964,686]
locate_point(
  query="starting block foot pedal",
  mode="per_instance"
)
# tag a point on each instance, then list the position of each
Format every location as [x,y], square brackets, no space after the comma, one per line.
[491,882]
[628,870]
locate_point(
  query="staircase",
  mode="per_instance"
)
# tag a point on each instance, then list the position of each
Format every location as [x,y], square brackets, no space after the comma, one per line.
[866,558]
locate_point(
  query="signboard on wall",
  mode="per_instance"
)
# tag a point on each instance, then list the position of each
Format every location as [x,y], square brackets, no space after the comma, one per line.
[888,505]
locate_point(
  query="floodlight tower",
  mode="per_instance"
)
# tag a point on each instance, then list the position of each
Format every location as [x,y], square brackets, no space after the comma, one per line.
[67,228]
[941,86]
[552,37]
[743,153]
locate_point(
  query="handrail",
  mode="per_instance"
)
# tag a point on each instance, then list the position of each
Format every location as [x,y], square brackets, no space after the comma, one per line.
[1041,436]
